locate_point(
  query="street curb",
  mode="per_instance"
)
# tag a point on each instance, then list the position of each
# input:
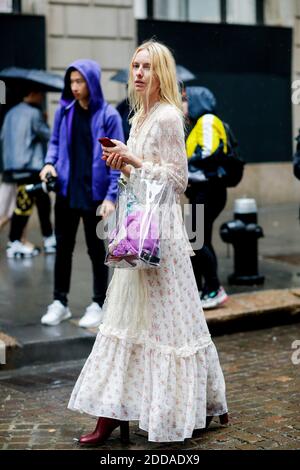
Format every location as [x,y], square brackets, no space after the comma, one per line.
[34,346]
[255,310]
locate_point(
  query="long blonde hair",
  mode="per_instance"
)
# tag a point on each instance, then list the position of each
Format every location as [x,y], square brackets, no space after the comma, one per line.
[163,65]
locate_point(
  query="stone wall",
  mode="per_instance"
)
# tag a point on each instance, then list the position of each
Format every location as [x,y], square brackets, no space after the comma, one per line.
[274,183]
[103,30]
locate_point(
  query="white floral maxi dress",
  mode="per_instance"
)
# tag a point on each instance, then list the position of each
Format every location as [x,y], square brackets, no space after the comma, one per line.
[153,359]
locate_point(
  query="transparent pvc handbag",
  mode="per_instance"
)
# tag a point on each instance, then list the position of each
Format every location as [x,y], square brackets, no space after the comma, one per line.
[135,232]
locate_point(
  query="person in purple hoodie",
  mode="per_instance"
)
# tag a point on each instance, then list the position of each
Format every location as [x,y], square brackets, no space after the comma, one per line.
[84,183]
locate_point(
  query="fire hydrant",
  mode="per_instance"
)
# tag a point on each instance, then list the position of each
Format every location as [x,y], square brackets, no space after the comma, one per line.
[243,233]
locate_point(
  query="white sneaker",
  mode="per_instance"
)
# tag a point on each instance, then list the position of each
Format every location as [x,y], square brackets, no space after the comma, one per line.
[50,244]
[92,316]
[18,249]
[214,299]
[56,313]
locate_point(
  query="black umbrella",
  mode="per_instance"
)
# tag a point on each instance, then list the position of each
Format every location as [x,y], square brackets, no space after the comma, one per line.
[121,76]
[183,75]
[46,81]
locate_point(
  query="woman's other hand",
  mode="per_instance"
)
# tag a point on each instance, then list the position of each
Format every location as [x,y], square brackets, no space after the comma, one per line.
[107,208]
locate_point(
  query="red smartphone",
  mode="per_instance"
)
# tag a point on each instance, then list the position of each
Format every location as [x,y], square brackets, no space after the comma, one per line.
[106,142]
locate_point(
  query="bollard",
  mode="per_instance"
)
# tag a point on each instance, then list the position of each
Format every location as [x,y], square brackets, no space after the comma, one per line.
[243,233]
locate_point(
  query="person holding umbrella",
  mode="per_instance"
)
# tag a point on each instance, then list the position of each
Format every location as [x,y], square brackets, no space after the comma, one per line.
[24,136]
[84,184]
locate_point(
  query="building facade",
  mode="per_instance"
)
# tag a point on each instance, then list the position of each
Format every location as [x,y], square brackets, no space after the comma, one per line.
[103,30]
[108,30]
[270,180]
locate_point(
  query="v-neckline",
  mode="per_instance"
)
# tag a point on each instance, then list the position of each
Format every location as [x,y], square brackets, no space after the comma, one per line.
[151,110]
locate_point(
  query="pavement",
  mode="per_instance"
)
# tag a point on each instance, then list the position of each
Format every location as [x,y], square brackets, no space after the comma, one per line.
[255,333]
[26,290]
[262,375]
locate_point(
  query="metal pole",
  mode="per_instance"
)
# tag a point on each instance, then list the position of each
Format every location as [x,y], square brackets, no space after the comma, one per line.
[223,11]
[150,9]
[17,6]
[260,12]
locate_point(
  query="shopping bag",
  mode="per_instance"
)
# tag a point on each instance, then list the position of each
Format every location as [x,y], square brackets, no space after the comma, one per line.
[135,237]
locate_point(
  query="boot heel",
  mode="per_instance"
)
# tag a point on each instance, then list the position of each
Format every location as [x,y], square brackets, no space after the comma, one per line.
[208,421]
[124,432]
[224,419]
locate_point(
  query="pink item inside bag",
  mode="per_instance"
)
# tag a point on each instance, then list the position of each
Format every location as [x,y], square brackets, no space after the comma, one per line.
[134,241]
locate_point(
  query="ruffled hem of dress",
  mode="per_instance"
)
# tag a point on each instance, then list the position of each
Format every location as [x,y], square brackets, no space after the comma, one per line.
[144,339]
[134,416]
[169,396]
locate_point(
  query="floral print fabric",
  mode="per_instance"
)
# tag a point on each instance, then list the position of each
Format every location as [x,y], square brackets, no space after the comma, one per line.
[153,359]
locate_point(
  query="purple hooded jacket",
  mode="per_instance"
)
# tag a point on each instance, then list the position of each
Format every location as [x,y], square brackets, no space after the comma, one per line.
[105,121]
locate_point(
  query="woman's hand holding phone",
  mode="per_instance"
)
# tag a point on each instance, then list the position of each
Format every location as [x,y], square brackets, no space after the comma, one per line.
[106,142]
[112,158]
[117,155]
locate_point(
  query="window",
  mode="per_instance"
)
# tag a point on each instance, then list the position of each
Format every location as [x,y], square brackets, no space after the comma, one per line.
[202,10]
[170,10]
[241,12]
[6,6]
[10,6]
[140,9]
[212,11]
[187,10]
[280,12]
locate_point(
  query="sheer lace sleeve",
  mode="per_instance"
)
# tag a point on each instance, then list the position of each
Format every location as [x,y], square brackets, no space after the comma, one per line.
[165,154]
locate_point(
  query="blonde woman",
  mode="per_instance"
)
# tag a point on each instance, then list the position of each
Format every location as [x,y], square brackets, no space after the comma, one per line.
[153,360]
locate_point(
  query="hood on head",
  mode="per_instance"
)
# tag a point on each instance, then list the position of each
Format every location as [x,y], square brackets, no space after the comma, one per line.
[91,72]
[200,101]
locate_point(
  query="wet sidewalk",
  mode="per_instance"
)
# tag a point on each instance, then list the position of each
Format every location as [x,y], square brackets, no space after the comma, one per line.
[262,387]
[26,290]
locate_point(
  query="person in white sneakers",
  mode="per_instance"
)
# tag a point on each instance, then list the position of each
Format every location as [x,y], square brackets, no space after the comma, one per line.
[206,141]
[84,184]
[50,245]
[56,313]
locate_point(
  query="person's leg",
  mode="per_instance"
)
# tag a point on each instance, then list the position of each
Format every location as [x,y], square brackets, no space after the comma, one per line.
[17,226]
[66,226]
[17,247]
[207,257]
[23,210]
[7,202]
[96,251]
[205,262]
[43,204]
[216,201]
[198,196]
